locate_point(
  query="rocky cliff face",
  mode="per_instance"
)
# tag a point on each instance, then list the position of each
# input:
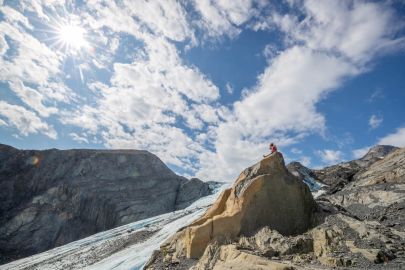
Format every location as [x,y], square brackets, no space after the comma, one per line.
[52,197]
[360,225]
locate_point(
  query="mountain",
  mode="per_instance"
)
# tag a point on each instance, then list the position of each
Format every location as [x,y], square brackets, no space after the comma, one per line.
[376,153]
[52,197]
[337,176]
[359,226]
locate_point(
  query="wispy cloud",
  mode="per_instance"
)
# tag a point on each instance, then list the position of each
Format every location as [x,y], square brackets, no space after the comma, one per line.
[377,94]
[32,98]
[78,138]
[329,156]
[375,121]
[229,88]
[359,153]
[25,121]
[224,18]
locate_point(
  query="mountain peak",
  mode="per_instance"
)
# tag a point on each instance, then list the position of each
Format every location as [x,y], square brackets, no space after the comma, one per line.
[378,151]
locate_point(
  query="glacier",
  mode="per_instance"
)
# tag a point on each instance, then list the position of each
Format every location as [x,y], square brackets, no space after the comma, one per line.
[127,247]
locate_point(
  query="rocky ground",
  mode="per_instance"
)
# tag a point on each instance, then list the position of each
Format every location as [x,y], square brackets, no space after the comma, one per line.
[53,197]
[359,223]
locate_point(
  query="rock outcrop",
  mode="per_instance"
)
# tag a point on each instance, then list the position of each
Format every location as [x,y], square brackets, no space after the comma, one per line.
[266,194]
[52,197]
[361,225]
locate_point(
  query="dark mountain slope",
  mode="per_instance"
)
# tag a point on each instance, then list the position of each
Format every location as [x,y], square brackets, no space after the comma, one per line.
[52,197]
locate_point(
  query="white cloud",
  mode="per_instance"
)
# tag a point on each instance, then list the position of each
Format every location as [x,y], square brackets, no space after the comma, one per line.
[359,153]
[329,156]
[162,17]
[224,18]
[214,20]
[3,46]
[25,121]
[229,88]
[356,29]
[39,6]
[30,62]
[296,151]
[86,118]
[375,121]
[78,138]
[163,68]
[265,109]
[13,16]
[33,61]
[3,123]
[108,14]
[396,139]
[377,94]
[32,98]
[270,51]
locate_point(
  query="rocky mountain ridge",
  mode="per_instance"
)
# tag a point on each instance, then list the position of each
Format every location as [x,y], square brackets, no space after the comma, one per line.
[52,197]
[339,175]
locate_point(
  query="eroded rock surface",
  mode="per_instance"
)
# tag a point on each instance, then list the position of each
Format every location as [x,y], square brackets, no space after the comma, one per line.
[266,194]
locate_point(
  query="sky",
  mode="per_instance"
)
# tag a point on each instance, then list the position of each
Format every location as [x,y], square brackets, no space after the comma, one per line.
[205,85]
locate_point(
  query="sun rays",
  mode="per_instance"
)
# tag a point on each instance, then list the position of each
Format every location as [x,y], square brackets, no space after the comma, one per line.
[72,37]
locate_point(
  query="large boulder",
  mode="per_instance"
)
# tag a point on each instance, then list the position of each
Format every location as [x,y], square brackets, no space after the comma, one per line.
[52,197]
[265,194]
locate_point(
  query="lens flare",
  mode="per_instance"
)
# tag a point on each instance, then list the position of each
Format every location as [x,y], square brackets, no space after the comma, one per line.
[33,160]
[72,37]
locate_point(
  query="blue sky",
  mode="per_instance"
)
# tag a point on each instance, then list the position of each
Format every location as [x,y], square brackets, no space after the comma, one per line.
[205,85]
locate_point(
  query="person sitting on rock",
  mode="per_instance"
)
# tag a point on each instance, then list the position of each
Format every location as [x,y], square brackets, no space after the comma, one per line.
[273,149]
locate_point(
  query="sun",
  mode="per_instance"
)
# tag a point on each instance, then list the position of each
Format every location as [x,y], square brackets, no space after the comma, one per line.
[72,37]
